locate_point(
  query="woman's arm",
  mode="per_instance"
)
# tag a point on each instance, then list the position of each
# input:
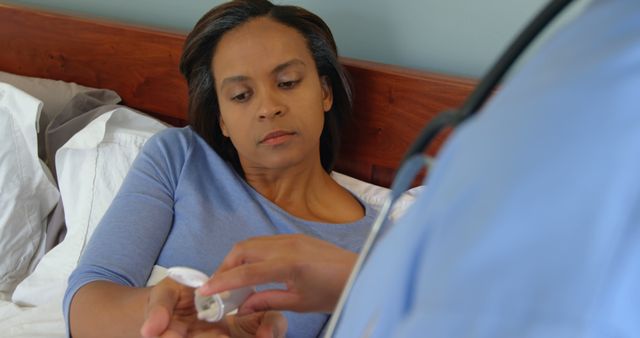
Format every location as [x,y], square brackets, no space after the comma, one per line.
[314,272]
[125,245]
[106,309]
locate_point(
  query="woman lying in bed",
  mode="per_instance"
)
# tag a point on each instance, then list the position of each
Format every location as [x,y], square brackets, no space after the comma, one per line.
[267,100]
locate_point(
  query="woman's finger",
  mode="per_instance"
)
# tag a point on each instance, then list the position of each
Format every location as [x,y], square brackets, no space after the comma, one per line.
[159,310]
[156,321]
[273,325]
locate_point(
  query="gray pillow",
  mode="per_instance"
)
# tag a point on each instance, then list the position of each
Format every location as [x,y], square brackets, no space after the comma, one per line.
[80,111]
[76,114]
[54,94]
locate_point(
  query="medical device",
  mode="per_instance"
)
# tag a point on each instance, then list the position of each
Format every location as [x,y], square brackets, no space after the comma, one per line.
[210,308]
[414,160]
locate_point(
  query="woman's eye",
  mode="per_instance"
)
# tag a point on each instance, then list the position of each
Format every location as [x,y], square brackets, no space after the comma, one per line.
[242,97]
[288,84]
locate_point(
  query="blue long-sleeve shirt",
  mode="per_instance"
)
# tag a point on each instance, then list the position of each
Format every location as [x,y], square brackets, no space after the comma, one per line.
[182,205]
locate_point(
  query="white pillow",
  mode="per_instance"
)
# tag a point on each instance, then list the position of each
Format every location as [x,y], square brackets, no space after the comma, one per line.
[90,168]
[376,195]
[54,94]
[28,194]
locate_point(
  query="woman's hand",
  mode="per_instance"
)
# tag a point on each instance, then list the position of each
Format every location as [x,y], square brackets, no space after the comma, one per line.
[171,312]
[314,272]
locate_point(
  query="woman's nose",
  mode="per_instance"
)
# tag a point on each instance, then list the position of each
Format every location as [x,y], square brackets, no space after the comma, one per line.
[271,107]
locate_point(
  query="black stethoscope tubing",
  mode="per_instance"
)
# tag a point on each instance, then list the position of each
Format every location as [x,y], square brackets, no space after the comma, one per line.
[489,82]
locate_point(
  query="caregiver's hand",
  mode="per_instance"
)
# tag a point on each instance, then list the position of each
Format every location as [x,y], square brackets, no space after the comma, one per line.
[170,312]
[313,271]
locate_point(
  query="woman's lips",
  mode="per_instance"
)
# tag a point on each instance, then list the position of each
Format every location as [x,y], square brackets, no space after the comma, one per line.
[276,137]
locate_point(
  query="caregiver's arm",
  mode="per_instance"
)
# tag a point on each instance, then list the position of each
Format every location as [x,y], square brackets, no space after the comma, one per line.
[314,272]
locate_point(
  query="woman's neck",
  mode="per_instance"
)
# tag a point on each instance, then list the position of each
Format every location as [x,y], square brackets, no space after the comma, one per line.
[307,192]
[288,185]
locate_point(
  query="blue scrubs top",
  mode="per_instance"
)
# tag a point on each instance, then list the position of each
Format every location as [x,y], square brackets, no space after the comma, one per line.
[530,225]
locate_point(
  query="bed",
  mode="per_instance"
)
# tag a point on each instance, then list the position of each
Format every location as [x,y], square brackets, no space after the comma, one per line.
[140,65]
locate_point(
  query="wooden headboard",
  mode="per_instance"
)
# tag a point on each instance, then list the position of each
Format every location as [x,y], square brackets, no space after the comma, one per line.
[391,103]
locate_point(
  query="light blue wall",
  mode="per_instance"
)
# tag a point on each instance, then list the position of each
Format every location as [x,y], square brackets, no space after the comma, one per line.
[453,36]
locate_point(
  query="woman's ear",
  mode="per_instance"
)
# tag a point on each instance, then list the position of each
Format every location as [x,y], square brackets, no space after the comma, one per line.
[327,93]
[223,127]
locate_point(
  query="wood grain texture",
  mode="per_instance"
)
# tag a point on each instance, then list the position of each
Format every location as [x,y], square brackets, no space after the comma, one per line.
[392,104]
[139,64]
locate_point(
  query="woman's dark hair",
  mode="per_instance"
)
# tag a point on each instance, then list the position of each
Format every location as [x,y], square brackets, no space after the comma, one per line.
[195,65]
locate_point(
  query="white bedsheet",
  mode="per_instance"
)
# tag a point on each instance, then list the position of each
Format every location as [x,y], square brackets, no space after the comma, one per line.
[31,322]
[44,320]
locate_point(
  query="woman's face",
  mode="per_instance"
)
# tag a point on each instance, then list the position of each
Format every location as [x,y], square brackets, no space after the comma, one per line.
[272,100]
